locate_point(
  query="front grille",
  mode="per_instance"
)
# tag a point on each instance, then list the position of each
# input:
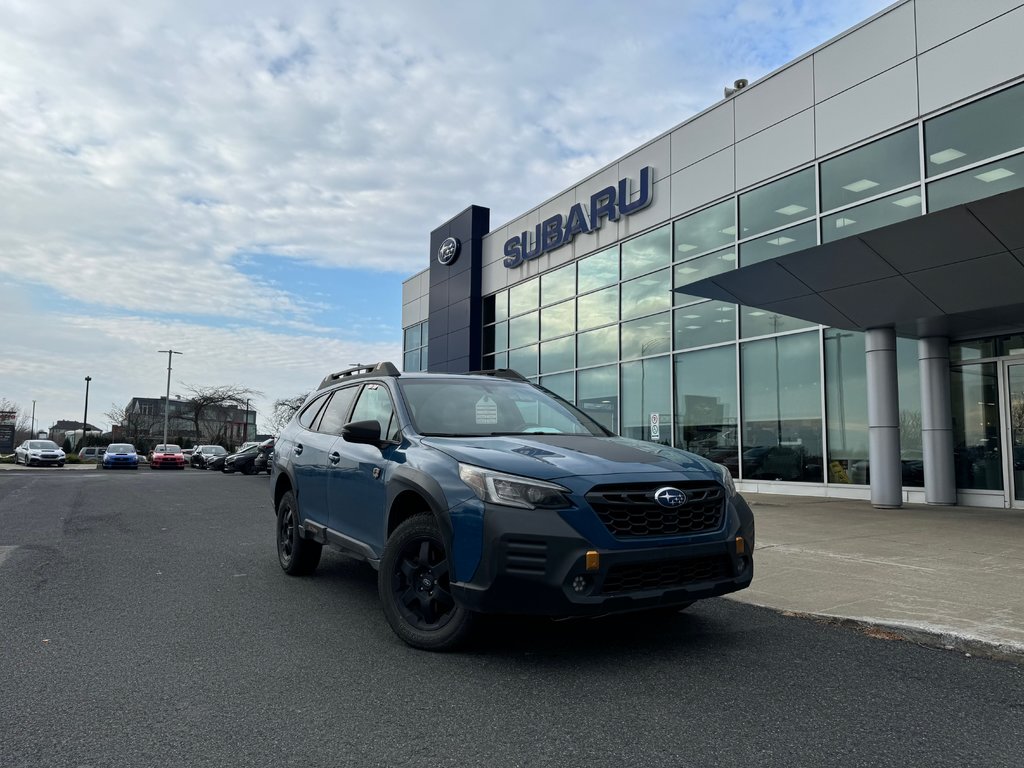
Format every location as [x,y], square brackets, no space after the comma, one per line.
[630,510]
[662,574]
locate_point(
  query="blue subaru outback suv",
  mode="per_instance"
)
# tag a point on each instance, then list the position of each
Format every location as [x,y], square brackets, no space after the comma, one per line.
[483,493]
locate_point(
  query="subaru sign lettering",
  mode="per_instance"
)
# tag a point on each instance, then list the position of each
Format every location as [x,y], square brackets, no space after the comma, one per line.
[610,203]
[670,498]
[449,251]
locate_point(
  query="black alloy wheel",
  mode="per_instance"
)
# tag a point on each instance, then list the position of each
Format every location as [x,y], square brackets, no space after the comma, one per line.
[297,555]
[414,583]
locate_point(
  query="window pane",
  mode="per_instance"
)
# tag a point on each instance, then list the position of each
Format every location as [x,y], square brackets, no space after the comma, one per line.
[976,426]
[524,297]
[908,377]
[374,404]
[646,399]
[412,336]
[558,320]
[647,294]
[705,230]
[597,347]
[523,329]
[702,324]
[985,128]
[646,253]
[495,338]
[598,308]
[777,204]
[758,322]
[412,361]
[501,306]
[991,179]
[846,407]
[870,170]
[699,268]
[781,390]
[424,335]
[336,413]
[972,350]
[706,411]
[597,394]
[557,285]
[648,336]
[888,210]
[598,270]
[557,355]
[524,360]
[779,244]
[561,384]
[423,358]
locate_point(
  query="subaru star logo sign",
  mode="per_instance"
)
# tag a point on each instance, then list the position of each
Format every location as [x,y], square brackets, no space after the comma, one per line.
[670,497]
[449,251]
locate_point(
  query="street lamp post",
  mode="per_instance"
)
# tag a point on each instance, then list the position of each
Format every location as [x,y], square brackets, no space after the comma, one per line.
[85,416]
[33,435]
[167,398]
[246,420]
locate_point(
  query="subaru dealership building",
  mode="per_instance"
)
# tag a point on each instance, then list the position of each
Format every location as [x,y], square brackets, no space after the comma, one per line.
[818,281]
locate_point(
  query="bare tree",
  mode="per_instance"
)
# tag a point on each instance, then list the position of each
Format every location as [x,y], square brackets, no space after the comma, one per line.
[203,402]
[135,426]
[282,411]
[22,420]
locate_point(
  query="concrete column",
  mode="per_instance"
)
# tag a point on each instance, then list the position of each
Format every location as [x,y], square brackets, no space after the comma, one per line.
[883,418]
[936,420]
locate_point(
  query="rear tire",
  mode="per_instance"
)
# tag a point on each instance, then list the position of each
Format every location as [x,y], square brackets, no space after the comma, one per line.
[414,586]
[297,555]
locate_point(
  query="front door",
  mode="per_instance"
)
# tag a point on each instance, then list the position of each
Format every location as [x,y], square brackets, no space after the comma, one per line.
[1014,421]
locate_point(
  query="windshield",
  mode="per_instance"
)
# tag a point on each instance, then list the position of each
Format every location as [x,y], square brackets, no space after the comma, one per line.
[37,444]
[486,406]
[120,448]
[167,449]
[215,450]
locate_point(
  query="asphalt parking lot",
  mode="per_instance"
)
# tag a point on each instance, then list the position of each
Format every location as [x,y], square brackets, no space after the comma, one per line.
[144,621]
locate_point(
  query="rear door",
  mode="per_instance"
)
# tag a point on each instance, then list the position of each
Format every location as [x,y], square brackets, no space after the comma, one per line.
[306,448]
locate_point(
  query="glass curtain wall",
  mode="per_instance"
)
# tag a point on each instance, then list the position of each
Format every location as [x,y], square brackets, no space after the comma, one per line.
[647,400]
[706,416]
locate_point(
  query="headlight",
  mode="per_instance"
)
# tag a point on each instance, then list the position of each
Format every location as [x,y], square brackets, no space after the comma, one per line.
[513,490]
[726,477]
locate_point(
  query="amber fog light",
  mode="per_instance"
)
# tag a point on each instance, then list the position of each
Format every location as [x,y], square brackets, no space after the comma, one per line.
[580,584]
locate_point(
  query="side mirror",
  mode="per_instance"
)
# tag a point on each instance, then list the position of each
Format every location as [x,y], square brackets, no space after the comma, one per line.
[365,432]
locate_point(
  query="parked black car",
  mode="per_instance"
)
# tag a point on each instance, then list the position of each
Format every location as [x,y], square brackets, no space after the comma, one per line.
[264,456]
[203,453]
[216,462]
[241,461]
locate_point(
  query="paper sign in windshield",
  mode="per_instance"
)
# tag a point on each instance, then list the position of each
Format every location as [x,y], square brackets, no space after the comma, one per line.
[486,410]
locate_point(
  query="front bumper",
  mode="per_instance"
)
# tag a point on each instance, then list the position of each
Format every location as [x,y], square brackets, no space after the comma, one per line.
[534,562]
[44,461]
[121,463]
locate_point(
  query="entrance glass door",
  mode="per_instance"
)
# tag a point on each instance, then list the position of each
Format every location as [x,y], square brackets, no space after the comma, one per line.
[1015,432]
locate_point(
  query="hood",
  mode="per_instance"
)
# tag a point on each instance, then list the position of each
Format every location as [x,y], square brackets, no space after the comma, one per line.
[548,457]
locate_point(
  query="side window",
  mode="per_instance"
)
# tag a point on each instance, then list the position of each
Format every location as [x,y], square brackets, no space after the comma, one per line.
[374,404]
[309,413]
[336,413]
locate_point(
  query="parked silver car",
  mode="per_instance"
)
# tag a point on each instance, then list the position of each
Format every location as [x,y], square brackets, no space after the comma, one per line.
[42,452]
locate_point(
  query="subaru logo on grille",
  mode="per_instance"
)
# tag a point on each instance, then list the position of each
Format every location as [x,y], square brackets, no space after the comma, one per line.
[449,251]
[670,497]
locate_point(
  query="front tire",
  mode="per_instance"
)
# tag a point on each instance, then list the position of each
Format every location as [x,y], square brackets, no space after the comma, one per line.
[414,584]
[297,555]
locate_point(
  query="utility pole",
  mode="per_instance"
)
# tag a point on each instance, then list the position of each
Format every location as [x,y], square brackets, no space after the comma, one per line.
[33,436]
[85,416]
[246,420]
[167,399]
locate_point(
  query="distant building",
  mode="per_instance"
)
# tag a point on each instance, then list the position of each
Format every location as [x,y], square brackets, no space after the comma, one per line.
[143,423]
[71,430]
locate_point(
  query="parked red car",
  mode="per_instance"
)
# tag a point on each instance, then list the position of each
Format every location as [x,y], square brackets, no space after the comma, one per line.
[164,456]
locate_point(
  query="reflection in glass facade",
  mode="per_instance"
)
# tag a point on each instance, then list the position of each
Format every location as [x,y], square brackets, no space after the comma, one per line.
[558,355]
[647,336]
[871,170]
[598,347]
[597,394]
[646,400]
[597,308]
[700,325]
[697,269]
[909,383]
[647,253]
[524,297]
[414,345]
[706,415]
[782,202]
[524,360]
[647,294]
[557,285]
[1000,176]
[780,387]
[759,322]
[987,127]
[852,221]
[562,384]
[705,230]
[523,329]
[846,406]
[779,244]
[974,391]
[598,270]
[558,320]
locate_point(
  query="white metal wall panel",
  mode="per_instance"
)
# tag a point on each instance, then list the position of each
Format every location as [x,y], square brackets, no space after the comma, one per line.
[867,109]
[703,182]
[658,211]
[493,278]
[414,312]
[657,155]
[703,136]
[982,58]
[774,151]
[865,52]
[775,99]
[942,20]
[493,245]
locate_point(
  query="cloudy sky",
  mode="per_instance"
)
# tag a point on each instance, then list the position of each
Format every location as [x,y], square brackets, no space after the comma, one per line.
[249,182]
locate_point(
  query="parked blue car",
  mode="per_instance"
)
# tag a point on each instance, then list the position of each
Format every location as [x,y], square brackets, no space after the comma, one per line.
[120,456]
[483,493]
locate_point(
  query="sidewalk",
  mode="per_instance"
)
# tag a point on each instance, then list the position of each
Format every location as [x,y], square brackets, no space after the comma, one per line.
[950,576]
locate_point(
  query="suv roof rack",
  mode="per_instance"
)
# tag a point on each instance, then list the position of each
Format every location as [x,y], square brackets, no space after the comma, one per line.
[500,373]
[374,369]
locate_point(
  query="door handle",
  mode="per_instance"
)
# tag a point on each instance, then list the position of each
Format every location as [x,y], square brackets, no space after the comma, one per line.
[298,449]
[334,457]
